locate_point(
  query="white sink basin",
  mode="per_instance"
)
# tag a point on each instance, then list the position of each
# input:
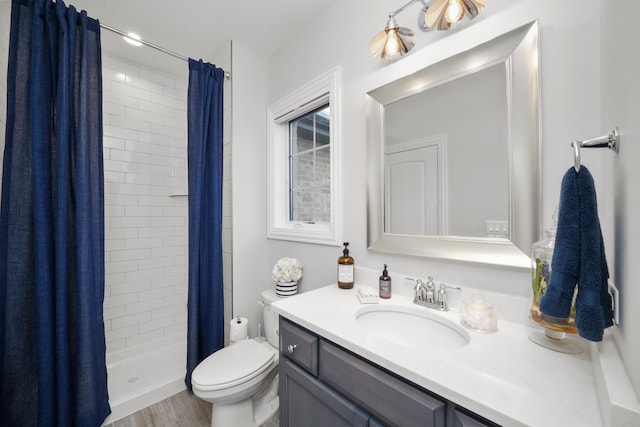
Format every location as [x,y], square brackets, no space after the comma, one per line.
[413,327]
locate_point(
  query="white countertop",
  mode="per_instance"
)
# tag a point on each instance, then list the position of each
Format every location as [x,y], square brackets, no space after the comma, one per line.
[502,376]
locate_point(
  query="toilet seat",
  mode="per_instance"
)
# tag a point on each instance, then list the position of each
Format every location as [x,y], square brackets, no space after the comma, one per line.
[232,365]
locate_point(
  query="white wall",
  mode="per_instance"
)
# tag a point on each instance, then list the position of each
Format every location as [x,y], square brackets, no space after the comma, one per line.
[620,200]
[250,267]
[145,154]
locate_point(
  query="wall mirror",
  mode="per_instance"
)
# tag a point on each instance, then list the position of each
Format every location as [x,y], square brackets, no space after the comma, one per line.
[453,151]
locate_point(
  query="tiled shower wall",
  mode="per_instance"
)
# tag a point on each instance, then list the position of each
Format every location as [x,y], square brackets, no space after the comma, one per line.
[146,203]
[146,228]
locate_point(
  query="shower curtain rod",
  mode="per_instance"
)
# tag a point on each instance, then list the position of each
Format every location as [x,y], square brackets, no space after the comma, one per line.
[227,75]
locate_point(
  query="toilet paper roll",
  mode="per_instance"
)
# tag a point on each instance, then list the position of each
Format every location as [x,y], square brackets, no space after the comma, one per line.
[239,329]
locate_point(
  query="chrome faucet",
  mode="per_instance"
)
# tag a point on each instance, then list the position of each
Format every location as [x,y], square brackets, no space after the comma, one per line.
[426,296]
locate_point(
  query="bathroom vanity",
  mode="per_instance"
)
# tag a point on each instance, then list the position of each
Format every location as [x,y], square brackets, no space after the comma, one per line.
[337,370]
[323,384]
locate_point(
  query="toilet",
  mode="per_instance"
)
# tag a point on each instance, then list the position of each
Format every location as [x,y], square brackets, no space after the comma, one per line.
[241,380]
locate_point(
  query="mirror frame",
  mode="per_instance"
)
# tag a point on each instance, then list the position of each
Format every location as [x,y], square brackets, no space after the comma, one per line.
[517,50]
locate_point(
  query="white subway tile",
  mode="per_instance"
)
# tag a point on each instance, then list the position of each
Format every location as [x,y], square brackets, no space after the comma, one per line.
[130,287]
[178,123]
[139,307]
[132,189]
[111,176]
[121,266]
[158,324]
[120,300]
[177,329]
[156,139]
[120,166]
[129,222]
[143,242]
[113,245]
[155,262]
[119,99]
[119,132]
[153,107]
[144,84]
[146,116]
[156,231]
[129,123]
[128,254]
[134,319]
[112,108]
[115,346]
[143,275]
[113,312]
[167,130]
[168,101]
[121,233]
[118,334]
[117,143]
[111,278]
[143,210]
[161,282]
[121,66]
[158,77]
[170,221]
[117,87]
[167,251]
[171,310]
[176,270]
[157,293]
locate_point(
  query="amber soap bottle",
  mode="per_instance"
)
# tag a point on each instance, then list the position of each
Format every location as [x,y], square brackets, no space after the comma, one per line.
[345,269]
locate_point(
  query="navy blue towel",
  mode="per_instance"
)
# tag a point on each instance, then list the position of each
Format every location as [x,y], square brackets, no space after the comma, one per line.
[579,259]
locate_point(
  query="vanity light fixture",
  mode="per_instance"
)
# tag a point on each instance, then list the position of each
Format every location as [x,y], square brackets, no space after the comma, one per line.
[396,41]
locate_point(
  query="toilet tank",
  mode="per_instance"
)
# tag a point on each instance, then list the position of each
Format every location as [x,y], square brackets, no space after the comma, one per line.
[270,317]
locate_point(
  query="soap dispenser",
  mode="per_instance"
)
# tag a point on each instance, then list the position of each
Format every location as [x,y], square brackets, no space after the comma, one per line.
[345,269]
[385,284]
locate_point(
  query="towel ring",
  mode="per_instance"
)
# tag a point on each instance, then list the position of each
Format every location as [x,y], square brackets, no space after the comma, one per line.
[611,140]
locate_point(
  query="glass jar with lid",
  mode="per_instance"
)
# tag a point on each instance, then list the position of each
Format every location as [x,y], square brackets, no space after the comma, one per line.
[541,256]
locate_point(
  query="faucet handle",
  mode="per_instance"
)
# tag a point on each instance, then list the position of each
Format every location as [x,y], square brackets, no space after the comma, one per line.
[442,294]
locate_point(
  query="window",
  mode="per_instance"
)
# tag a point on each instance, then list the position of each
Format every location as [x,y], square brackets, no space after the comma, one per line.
[310,167]
[302,177]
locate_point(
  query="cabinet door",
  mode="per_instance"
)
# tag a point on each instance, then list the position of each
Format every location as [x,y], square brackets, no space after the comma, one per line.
[387,398]
[305,401]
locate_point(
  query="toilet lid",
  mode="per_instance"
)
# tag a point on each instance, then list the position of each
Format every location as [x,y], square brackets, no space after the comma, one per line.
[232,365]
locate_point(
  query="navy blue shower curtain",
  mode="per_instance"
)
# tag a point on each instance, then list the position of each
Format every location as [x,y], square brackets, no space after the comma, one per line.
[206,305]
[52,344]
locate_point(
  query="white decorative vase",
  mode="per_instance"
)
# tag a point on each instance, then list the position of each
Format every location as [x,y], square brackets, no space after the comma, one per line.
[286,289]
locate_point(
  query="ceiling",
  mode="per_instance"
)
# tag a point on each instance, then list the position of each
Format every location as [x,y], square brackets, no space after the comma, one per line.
[199,28]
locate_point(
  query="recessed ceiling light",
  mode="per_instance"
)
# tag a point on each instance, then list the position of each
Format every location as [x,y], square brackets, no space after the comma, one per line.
[132,39]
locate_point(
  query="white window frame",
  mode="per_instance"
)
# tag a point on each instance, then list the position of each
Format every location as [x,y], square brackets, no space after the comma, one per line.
[322,90]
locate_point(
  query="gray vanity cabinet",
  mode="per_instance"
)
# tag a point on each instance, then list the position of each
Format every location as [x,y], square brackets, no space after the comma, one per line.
[305,401]
[324,385]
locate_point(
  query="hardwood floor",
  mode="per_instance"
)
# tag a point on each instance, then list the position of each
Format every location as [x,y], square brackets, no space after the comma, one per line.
[180,410]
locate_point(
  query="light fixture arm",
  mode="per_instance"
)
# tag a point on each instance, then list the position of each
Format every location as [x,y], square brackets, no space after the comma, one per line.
[421,22]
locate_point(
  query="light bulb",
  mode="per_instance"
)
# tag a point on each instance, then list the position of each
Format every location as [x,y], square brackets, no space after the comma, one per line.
[454,11]
[392,46]
[132,39]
